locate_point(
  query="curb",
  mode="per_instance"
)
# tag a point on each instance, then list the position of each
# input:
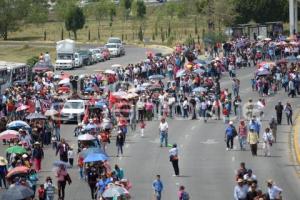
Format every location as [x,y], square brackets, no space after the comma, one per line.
[295,138]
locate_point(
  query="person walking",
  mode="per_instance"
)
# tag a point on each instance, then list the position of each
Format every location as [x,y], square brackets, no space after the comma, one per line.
[182,194]
[3,172]
[252,139]
[289,113]
[63,149]
[157,187]
[163,132]
[33,178]
[37,156]
[279,109]
[273,191]
[268,141]
[273,127]
[242,134]
[71,156]
[292,89]
[120,143]
[49,189]
[240,190]
[62,178]
[230,133]
[173,153]
[92,180]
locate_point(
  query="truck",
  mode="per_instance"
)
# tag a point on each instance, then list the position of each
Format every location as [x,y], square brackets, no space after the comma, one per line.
[65,58]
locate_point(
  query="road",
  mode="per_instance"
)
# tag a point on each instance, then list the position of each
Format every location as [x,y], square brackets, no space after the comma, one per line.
[207,169]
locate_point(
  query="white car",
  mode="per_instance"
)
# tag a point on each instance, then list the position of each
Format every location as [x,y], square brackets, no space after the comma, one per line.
[114,49]
[78,60]
[99,56]
[114,40]
[73,110]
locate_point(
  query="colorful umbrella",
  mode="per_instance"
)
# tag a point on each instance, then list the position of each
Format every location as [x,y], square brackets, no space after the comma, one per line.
[17,192]
[22,107]
[114,191]
[64,82]
[86,137]
[180,73]
[94,157]
[17,124]
[17,170]
[9,134]
[16,149]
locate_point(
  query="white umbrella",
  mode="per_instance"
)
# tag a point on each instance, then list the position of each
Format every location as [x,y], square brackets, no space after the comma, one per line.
[116,66]
[86,137]
[108,71]
[51,112]
[64,82]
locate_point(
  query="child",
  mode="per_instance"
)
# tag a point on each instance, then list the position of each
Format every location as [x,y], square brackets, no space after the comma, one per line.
[143,125]
[49,189]
[54,142]
[41,192]
[71,156]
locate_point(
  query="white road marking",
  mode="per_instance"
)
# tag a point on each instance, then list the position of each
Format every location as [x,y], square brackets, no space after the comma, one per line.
[127,145]
[193,127]
[233,159]
[209,141]
[181,146]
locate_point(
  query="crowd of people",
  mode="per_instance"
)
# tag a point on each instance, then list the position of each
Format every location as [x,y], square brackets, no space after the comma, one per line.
[180,85]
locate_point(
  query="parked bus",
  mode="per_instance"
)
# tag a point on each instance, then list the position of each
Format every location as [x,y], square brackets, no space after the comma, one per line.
[3,78]
[16,73]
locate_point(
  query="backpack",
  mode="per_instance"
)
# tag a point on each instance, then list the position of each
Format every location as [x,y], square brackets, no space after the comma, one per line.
[185,196]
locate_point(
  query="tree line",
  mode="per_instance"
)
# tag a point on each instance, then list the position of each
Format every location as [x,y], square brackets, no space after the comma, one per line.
[216,13]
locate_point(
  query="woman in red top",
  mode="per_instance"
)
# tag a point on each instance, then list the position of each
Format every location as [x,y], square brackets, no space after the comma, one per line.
[242,133]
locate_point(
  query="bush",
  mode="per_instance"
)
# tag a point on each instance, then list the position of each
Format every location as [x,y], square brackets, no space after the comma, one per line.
[31,61]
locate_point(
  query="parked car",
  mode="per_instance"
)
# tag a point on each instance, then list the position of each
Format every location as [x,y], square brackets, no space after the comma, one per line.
[114,40]
[42,67]
[98,54]
[105,53]
[73,110]
[87,57]
[78,60]
[114,49]
[122,49]
[94,57]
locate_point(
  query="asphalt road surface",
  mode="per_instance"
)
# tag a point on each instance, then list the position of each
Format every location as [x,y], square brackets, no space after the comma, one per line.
[207,169]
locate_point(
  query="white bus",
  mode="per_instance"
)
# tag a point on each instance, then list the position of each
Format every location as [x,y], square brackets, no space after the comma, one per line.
[15,73]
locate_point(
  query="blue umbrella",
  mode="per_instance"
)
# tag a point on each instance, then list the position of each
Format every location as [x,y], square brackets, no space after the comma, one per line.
[89,89]
[90,127]
[202,62]
[157,76]
[199,89]
[291,58]
[94,157]
[100,104]
[17,124]
[58,163]
[86,152]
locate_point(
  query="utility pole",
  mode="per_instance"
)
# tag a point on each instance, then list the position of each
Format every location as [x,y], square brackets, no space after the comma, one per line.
[210,21]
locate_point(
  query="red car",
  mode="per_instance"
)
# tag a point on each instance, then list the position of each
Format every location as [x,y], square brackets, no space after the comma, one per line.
[105,53]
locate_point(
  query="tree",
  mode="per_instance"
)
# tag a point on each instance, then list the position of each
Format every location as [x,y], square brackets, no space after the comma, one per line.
[261,10]
[12,14]
[38,12]
[140,9]
[75,20]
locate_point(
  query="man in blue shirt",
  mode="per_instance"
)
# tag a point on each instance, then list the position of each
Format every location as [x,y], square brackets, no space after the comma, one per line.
[158,187]
[230,133]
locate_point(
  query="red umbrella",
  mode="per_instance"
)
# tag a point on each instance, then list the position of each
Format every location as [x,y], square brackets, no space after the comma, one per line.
[17,170]
[9,134]
[22,107]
